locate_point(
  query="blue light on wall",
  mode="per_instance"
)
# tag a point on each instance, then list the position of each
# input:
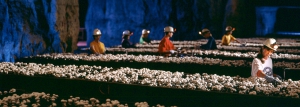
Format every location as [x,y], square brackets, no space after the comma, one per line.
[112,17]
[265,20]
[279,20]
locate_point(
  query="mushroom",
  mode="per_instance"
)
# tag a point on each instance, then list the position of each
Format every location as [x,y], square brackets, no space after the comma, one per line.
[93,101]
[64,102]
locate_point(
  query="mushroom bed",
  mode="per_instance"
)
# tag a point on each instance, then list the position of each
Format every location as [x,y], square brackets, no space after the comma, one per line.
[12,98]
[140,76]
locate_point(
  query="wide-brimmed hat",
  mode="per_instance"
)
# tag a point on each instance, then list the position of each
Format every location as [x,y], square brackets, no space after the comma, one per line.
[169,29]
[203,31]
[145,31]
[229,28]
[271,44]
[126,32]
[97,32]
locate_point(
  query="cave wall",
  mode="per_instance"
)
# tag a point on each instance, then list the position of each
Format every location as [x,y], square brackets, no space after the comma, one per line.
[241,15]
[187,16]
[266,18]
[67,24]
[31,27]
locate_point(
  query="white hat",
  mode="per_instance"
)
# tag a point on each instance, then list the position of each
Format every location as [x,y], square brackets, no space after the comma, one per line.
[145,31]
[169,29]
[271,43]
[126,32]
[97,32]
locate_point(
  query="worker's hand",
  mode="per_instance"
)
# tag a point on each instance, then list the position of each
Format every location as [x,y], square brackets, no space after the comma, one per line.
[269,79]
[274,81]
[277,76]
[172,51]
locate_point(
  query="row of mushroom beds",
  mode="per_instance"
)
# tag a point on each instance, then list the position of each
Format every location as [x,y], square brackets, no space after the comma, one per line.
[199,51]
[11,98]
[195,44]
[155,78]
[286,41]
[213,53]
[176,60]
[287,46]
[191,48]
[158,78]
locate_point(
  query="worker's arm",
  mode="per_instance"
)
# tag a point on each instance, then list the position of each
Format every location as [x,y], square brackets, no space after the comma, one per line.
[93,49]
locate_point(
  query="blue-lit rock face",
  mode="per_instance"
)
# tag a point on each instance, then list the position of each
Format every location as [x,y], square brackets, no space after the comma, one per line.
[266,18]
[31,27]
[112,17]
[24,28]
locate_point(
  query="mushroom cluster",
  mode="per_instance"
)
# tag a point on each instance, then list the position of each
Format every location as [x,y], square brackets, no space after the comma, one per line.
[158,78]
[285,56]
[140,50]
[223,53]
[256,49]
[182,42]
[34,99]
[41,99]
[286,64]
[156,45]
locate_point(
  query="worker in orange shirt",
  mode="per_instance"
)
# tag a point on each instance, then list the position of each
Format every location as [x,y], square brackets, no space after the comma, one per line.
[96,46]
[166,47]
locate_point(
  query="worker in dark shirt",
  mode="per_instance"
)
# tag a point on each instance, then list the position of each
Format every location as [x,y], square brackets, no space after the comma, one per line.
[211,43]
[126,42]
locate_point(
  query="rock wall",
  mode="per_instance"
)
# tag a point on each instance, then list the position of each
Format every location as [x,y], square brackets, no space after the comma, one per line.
[67,23]
[31,27]
[112,17]
[266,18]
[187,16]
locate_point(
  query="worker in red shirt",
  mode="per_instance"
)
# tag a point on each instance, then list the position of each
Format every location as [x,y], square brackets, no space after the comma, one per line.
[166,47]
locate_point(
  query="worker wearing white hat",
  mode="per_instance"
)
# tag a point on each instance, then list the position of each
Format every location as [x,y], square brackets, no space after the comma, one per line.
[126,42]
[262,65]
[166,47]
[144,38]
[211,43]
[96,46]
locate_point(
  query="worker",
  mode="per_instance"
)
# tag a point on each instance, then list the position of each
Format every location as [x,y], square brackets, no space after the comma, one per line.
[211,43]
[126,42]
[144,38]
[262,65]
[166,47]
[96,46]
[227,37]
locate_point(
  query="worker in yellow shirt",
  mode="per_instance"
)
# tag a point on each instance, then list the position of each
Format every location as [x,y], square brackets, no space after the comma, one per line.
[96,46]
[227,37]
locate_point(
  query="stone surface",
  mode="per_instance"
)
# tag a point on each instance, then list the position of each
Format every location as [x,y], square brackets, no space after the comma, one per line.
[112,17]
[31,27]
[67,21]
